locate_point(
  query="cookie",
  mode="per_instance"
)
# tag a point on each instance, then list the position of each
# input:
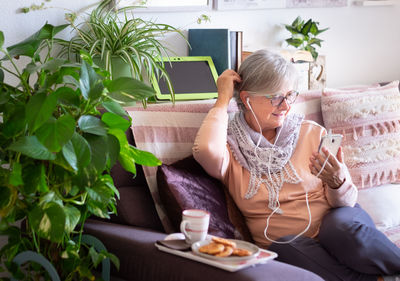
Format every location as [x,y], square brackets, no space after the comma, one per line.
[212,248]
[241,252]
[226,252]
[224,242]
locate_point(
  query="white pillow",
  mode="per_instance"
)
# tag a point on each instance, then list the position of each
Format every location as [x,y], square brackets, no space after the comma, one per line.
[382,203]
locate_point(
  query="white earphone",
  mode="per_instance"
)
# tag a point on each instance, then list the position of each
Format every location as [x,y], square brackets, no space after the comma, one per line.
[248,102]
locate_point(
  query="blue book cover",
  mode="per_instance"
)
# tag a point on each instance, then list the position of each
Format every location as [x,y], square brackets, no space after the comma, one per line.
[214,43]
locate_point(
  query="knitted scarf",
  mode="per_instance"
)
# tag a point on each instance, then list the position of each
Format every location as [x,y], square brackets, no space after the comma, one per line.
[268,163]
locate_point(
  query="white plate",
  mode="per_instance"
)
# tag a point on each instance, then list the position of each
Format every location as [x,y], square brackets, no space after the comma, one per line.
[239,244]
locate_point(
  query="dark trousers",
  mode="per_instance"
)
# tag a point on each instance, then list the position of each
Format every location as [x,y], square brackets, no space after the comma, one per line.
[348,248]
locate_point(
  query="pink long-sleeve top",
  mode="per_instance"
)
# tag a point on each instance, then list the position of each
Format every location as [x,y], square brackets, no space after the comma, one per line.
[213,153]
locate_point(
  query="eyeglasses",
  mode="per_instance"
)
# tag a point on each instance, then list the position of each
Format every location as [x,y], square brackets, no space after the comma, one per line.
[277,100]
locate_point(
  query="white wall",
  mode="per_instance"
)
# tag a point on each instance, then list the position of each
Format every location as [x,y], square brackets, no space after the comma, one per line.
[362,45]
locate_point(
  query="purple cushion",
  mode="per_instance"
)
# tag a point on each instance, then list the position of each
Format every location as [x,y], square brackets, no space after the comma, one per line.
[185,185]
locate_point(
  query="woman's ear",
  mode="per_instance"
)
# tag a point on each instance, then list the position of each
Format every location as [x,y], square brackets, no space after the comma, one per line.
[244,97]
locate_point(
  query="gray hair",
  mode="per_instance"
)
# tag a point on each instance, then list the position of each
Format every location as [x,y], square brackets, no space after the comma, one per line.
[264,71]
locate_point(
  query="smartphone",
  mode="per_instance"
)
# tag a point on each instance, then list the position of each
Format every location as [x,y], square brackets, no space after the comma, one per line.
[331,142]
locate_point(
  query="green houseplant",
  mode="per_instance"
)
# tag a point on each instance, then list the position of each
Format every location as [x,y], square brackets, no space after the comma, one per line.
[56,153]
[118,39]
[304,35]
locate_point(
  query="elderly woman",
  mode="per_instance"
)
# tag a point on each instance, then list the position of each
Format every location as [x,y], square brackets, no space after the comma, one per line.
[293,202]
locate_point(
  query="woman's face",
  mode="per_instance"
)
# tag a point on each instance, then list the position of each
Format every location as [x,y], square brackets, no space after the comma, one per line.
[268,115]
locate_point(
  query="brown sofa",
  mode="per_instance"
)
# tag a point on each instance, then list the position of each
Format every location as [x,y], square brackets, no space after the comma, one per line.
[131,236]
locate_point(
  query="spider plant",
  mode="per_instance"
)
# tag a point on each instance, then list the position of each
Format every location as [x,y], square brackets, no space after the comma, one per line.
[109,35]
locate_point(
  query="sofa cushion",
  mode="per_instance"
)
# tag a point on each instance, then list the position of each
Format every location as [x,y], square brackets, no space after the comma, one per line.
[369,120]
[185,185]
[136,208]
[382,204]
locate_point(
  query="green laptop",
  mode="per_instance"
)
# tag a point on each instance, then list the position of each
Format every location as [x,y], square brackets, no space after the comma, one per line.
[192,78]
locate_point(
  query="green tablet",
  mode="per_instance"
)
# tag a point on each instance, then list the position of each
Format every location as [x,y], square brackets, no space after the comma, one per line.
[192,78]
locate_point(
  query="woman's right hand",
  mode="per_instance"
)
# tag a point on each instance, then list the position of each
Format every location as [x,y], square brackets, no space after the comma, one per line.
[226,85]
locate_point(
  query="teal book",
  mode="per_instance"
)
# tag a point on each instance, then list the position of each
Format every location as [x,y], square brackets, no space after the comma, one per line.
[214,43]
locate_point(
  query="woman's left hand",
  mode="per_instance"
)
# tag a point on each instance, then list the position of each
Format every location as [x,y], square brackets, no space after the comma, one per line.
[333,173]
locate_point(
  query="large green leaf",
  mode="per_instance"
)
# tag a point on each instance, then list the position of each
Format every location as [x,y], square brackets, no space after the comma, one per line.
[15,123]
[90,82]
[321,30]
[314,28]
[48,221]
[72,217]
[115,121]
[77,152]
[127,89]
[115,108]
[306,27]
[120,135]
[95,257]
[113,149]
[34,178]
[29,46]
[99,149]
[30,146]
[100,193]
[109,182]
[67,96]
[16,175]
[51,65]
[144,158]
[127,162]
[5,196]
[1,39]
[92,125]
[56,132]
[39,109]
[294,42]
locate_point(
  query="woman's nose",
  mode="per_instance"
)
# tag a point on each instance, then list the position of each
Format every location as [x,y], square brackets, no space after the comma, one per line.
[284,104]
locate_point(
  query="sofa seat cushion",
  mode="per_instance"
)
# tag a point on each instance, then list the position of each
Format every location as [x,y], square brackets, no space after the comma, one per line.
[140,260]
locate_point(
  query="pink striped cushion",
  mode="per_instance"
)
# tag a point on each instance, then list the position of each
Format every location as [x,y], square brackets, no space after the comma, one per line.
[369,120]
[169,131]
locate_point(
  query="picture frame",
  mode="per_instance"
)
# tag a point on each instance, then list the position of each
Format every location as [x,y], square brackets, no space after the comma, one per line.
[165,6]
[277,4]
[248,4]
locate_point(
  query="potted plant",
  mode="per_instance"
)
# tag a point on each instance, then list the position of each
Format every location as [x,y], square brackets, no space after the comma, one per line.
[124,44]
[56,153]
[304,35]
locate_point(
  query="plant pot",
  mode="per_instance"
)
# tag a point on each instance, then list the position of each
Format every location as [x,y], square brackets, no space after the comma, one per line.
[119,68]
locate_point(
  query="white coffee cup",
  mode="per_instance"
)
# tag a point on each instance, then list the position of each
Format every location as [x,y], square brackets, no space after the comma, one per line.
[194,225]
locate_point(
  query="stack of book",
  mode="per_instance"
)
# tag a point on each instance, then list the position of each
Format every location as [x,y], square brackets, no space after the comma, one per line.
[223,45]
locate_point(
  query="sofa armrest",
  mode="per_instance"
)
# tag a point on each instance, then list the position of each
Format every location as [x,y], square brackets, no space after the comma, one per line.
[141,260]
